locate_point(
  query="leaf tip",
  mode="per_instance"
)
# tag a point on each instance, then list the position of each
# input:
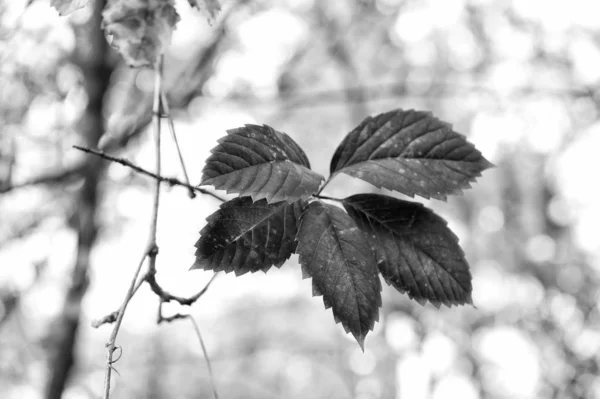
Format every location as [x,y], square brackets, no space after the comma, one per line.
[469,301]
[360,339]
[485,164]
[198,264]
[194,267]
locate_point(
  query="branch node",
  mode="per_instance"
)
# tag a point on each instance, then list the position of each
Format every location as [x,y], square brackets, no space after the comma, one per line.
[153,251]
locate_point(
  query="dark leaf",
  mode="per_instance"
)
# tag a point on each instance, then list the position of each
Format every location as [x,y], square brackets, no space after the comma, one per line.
[416,251]
[245,236]
[411,152]
[261,162]
[66,7]
[335,253]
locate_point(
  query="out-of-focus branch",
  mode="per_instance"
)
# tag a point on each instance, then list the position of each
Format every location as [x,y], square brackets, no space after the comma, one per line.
[90,55]
[51,178]
[398,90]
[189,83]
[76,171]
[9,301]
[23,229]
[169,180]
[342,55]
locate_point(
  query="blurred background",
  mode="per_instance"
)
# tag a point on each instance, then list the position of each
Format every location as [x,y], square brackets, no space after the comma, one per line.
[520,78]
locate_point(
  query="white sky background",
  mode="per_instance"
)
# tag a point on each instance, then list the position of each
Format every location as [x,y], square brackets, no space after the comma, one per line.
[514,362]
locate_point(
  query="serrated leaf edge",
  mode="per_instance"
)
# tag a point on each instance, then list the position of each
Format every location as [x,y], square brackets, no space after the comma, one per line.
[421,301]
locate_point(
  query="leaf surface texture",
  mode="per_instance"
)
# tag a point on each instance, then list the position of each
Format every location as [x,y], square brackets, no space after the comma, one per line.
[334,252]
[416,251]
[411,152]
[261,162]
[245,236]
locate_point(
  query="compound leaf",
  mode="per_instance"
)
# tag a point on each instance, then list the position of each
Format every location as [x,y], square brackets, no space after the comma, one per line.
[261,162]
[66,7]
[140,29]
[335,253]
[416,251]
[245,236]
[411,152]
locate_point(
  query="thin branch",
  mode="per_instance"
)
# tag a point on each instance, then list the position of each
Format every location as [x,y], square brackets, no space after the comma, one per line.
[160,292]
[167,297]
[210,372]
[167,112]
[112,317]
[119,319]
[152,249]
[169,180]
[179,316]
[156,123]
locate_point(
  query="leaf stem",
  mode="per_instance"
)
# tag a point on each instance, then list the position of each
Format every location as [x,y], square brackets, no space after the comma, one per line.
[323,186]
[167,113]
[328,198]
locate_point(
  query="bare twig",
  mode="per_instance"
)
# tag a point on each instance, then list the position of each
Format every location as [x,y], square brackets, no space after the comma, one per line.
[112,317]
[210,372]
[167,113]
[179,316]
[164,296]
[152,248]
[119,319]
[156,108]
[167,297]
[169,180]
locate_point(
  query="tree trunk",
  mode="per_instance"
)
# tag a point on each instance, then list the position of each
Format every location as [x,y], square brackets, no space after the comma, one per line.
[91,56]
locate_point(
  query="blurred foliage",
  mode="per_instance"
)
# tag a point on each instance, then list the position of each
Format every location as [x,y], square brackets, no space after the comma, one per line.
[520,78]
